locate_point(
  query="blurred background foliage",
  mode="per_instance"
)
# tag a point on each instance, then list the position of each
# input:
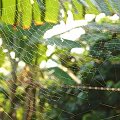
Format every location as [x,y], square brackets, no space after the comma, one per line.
[45,45]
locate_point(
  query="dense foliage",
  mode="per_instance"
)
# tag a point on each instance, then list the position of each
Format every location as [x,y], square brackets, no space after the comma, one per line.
[36,92]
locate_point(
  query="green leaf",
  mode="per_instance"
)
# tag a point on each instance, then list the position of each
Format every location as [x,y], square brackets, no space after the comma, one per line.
[115,4]
[104,27]
[8,11]
[92,9]
[61,75]
[2,57]
[38,32]
[26,13]
[83,2]
[62,43]
[52,11]
[37,13]
[77,10]
[102,6]
[0,8]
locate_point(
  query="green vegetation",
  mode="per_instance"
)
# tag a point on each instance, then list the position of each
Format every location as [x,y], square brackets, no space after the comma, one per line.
[62,85]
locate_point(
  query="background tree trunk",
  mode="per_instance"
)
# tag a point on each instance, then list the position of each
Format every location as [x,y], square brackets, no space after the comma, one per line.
[13,88]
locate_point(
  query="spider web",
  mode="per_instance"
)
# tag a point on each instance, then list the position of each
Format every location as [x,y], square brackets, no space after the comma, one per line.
[58,92]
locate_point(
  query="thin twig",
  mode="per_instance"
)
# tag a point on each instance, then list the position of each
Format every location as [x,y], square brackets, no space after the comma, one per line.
[93,88]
